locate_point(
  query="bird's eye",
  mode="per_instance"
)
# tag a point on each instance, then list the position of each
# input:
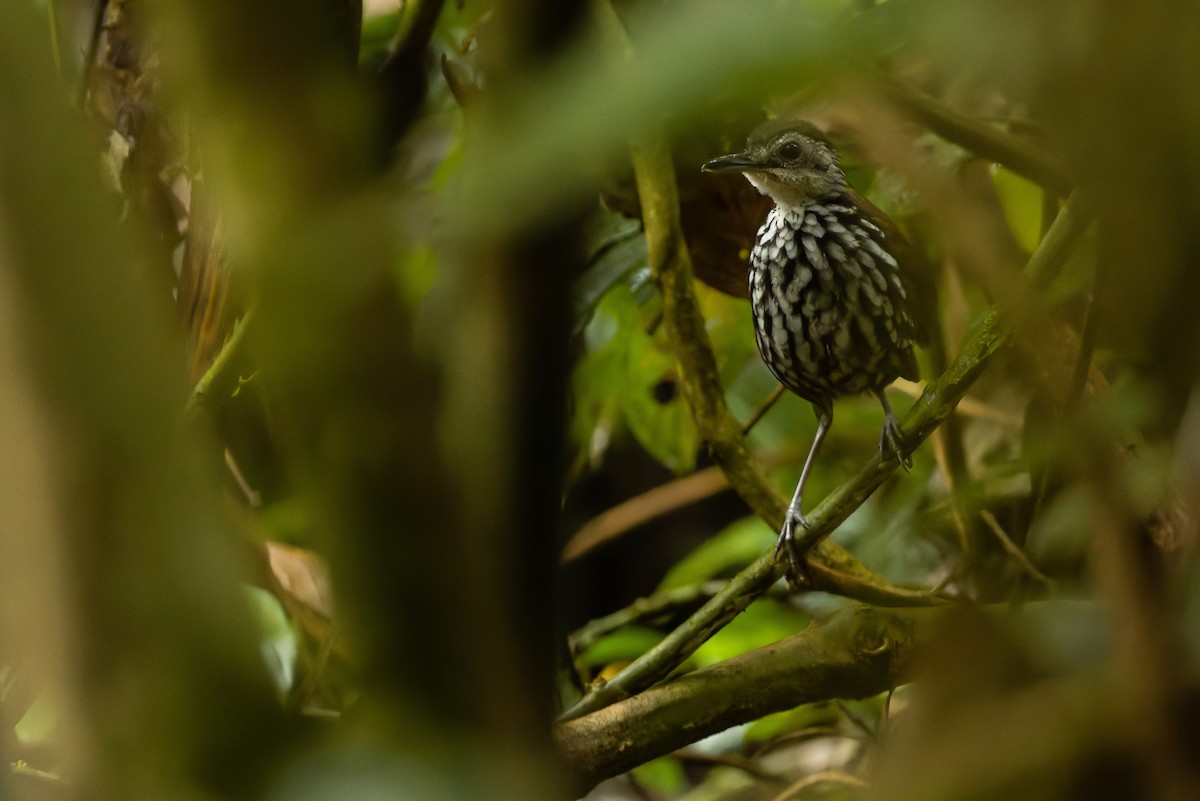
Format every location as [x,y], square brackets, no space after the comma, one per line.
[790,151]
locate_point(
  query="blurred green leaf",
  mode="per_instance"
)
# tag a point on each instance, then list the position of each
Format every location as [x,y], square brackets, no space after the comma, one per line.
[377,34]
[632,371]
[663,775]
[761,624]
[722,783]
[277,639]
[622,645]
[288,520]
[1147,479]
[1060,534]
[616,252]
[736,546]
[1022,204]
[731,329]
[808,716]
[39,726]
[789,424]
[659,419]
[1077,276]
[417,272]
[583,110]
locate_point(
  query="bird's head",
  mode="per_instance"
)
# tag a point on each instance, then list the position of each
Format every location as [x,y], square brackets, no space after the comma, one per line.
[789,160]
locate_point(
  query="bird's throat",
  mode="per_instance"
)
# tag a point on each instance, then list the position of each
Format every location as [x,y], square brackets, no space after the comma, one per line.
[788,197]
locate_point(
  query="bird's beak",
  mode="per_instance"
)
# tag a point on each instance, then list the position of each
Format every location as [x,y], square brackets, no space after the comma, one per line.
[735,162]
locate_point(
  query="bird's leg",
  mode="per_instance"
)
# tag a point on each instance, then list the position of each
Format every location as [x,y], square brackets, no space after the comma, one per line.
[891,441]
[795,515]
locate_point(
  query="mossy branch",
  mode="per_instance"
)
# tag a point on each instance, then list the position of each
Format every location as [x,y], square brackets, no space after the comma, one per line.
[857,654]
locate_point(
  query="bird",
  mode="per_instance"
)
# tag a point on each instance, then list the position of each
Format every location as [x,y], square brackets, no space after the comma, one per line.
[833,316]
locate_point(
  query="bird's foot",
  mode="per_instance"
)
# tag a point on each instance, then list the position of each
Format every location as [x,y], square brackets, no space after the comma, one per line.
[892,444]
[793,519]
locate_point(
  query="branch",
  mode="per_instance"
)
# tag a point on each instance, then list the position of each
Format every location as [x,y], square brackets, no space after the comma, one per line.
[677,493]
[414,32]
[1019,556]
[685,328]
[1019,155]
[402,80]
[220,378]
[646,609]
[660,500]
[856,654]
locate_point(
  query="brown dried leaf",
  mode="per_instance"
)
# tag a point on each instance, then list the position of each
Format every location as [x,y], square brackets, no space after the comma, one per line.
[302,584]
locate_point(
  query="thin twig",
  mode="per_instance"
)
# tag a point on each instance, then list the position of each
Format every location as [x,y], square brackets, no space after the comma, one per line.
[219,377]
[55,35]
[837,776]
[967,407]
[1019,155]
[26,771]
[613,522]
[1083,362]
[89,56]
[655,502]
[803,735]
[664,602]
[776,394]
[856,720]
[253,497]
[735,761]
[1049,211]
[941,455]
[416,27]
[1014,550]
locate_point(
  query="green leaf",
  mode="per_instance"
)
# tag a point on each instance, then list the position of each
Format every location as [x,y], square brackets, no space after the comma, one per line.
[658,417]
[41,723]
[377,34]
[623,645]
[1022,204]
[802,717]
[277,639]
[1077,274]
[417,271]
[616,252]
[731,329]
[722,783]
[663,775]
[761,624]
[733,548]
[631,371]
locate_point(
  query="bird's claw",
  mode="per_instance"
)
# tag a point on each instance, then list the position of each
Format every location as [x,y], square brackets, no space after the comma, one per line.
[798,574]
[892,444]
